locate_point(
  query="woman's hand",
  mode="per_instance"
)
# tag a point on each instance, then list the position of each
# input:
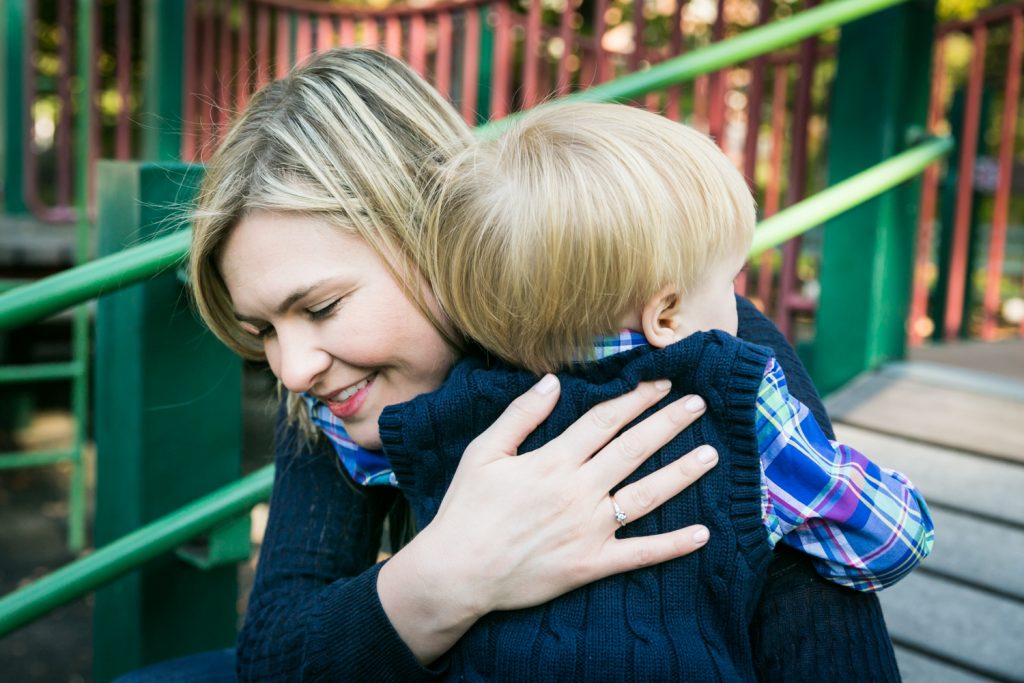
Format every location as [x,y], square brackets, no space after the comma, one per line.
[518,531]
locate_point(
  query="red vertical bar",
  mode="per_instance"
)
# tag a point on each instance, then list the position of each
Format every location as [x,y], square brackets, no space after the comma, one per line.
[208,59]
[282,53]
[501,85]
[371,33]
[417,47]
[700,102]
[639,28]
[347,33]
[393,36]
[443,56]
[224,107]
[765,274]
[716,91]
[965,188]
[672,110]
[929,194]
[565,34]
[470,65]
[601,58]
[531,55]
[789,297]
[755,96]
[189,80]
[244,75]
[63,141]
[997,242]
[324,33]
[303,37]
[122,145]
[262,46]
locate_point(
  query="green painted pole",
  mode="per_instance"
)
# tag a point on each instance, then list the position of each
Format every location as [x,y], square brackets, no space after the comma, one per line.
[163,25]
[749,44]
[168,429]
[125,554]
[81,326]
[12,125]
[880,97]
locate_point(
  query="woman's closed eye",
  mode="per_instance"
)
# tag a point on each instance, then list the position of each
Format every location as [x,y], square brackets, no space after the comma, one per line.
[324,310]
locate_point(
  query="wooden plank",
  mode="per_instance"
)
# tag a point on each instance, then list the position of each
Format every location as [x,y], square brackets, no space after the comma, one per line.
[978,551]
[979,424]
[1005,358]
[954,478]
[957,624]
[918,668]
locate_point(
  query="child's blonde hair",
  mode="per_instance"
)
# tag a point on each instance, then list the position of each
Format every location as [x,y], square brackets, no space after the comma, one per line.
[543,238]
[352,137]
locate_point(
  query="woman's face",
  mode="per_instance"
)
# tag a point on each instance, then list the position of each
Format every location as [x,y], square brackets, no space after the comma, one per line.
[333,321]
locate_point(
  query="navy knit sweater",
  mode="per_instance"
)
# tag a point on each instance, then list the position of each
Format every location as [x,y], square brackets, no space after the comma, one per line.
[314,613]
[686,619]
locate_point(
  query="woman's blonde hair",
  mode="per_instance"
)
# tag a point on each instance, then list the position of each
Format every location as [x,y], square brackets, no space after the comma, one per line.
[352,137]
[543,238]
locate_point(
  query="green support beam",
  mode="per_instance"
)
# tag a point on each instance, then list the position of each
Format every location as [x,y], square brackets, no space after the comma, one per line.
[163,25]
[879,101]
[168,429]
[12,123]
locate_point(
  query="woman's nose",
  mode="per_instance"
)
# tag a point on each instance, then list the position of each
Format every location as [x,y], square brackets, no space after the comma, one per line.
[301,360]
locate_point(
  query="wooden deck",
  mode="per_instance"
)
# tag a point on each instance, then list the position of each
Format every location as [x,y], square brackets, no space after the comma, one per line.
[952,419]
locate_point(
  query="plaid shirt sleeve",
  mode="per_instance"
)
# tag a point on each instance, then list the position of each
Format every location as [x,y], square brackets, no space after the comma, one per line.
[866,526]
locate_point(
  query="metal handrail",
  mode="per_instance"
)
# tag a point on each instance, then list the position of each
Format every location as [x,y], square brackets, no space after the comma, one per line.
[845,195]
[130,551]
[127,553]
[108,274]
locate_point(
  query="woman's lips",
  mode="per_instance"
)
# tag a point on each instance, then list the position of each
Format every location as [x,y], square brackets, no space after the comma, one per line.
[353,400]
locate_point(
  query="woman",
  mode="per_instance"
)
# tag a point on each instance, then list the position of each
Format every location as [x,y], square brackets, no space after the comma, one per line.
[349,142]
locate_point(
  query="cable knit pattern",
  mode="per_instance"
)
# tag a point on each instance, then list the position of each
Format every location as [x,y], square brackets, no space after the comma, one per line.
[687,618]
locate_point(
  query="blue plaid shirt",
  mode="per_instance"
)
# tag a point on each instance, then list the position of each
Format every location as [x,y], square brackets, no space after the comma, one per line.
[865,526]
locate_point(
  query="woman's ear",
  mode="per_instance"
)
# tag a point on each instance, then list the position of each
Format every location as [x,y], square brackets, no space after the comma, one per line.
[660,318]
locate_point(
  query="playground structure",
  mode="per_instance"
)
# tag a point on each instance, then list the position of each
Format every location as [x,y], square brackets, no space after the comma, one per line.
[201,60]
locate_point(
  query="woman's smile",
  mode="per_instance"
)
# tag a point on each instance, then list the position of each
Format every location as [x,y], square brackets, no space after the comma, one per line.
[348,401]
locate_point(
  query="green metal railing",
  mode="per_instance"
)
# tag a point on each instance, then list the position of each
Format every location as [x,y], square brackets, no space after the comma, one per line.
[141,262]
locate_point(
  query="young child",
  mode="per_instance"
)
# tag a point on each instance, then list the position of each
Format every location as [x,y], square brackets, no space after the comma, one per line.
[601,242]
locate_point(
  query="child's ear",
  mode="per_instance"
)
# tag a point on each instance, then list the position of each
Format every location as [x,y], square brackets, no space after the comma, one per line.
[660,317]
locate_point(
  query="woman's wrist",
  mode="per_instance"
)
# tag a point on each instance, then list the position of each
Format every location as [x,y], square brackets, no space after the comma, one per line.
[427,599]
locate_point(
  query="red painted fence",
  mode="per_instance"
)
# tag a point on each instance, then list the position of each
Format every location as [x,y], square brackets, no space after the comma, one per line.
[492,57]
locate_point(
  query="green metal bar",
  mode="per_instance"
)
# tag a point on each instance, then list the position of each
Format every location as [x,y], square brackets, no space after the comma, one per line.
[81,283]
[163,86]
[130,551]
[86,26]
[749,44]
[40,372]
[847,194]
[12,122]
[10,461]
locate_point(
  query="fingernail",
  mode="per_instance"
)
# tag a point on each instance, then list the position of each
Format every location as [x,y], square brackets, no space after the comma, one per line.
[663,385]
[695,404]
[701,535]
[707,454]
[546,385]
